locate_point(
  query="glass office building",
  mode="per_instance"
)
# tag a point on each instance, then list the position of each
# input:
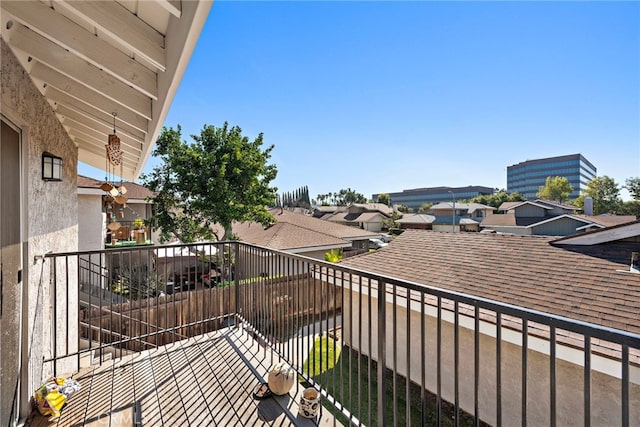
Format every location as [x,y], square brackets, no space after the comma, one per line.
[416,197]
[527,177]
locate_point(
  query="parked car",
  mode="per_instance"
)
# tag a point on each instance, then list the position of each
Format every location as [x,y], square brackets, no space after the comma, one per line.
[376,244]
[385,237]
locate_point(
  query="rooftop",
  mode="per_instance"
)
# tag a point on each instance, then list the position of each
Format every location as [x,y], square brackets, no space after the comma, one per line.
[587,283]
[134,191]
[295,231]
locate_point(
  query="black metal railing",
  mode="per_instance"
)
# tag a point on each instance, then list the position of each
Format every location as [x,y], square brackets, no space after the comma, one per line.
[382,351]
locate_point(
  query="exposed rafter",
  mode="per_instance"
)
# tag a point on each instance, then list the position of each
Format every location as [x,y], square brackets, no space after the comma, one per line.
[91,59]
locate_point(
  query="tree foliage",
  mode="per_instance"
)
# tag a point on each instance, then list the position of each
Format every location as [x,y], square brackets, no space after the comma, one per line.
[631,207]
[343,197]
[605,193]
[424,208]
[556,188]
[633,185]
[219,178]
[404,209]
[497,198]
[294,199]
[384,199]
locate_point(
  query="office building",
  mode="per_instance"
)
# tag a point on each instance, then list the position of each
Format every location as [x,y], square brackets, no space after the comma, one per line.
[527,177]
[416,197]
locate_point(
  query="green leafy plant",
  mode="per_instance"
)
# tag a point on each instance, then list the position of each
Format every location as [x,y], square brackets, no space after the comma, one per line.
[137,282]
[334,255]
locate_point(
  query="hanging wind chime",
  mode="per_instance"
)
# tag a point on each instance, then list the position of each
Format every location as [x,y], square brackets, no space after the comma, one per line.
[115,195]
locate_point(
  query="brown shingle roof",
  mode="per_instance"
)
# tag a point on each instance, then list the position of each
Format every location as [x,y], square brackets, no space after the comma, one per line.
[416,219]
[580,282]
[297,231]
[134,191]
[284,236]
[609,220]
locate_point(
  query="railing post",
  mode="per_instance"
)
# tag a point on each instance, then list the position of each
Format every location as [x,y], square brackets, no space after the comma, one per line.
[239,273]
[382,360]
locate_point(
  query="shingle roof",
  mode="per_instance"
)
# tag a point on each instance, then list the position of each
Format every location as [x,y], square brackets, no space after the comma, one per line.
[336,230]
[381,207]
[285,236]
[296,231]
[586,283]
[609,220]
[416,219]
[134,191]
[510,220]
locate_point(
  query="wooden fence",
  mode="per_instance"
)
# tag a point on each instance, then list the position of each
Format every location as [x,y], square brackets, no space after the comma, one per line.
[138,325]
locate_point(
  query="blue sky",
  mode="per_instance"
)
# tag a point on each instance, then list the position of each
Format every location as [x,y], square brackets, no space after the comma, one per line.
[386,96]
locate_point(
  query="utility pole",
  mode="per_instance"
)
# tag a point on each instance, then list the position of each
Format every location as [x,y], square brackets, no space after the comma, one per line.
[453,214]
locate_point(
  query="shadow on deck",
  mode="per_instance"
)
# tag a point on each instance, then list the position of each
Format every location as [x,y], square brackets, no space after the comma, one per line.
[206,380]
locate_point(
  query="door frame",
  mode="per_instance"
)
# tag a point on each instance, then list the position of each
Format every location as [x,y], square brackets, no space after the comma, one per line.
[22,406]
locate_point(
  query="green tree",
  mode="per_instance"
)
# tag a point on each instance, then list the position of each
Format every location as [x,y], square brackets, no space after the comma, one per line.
[605,193]
[631,207]
[424,208]
[219,178]
[555,188]
[404,209]
[633,185]
[497,198]
[384,199]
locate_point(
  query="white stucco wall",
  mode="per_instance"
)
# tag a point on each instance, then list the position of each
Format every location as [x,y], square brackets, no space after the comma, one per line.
[605,388]
[49,222]
[91,223]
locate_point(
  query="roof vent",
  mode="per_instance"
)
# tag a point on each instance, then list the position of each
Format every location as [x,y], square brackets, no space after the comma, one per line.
[635,262]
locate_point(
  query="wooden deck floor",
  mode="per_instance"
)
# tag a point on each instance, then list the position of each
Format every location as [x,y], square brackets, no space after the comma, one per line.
[204,381]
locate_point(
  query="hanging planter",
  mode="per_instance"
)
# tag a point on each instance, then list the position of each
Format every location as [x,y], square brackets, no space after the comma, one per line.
[106,187]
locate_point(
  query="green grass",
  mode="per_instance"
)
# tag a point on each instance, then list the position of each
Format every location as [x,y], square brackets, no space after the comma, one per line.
[352,380]
[322,357]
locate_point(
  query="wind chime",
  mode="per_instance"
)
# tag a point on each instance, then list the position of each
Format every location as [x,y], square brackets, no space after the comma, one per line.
[115,200]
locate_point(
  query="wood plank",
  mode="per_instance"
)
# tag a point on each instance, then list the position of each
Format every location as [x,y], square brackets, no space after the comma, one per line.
[134,123]
[93,115]
[205,380]
[172,410]
[124,27]
[71,36]
[146,393]
[80,71]
[193,400]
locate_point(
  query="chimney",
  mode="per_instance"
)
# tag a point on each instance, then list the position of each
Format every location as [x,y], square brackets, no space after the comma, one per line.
[588,205]
[635,262]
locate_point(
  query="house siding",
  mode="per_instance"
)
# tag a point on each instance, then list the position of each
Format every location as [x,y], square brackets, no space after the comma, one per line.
[560,227]
[49,222]
[529,211]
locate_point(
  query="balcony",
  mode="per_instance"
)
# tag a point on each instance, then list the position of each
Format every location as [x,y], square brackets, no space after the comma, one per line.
[181,334]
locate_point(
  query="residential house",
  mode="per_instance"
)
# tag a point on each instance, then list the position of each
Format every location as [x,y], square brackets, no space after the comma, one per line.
[585,277]
[93,205]
[69,70]
[547,218]
[367,216]
[459,216]
[418,221]
[66,67]
[305,235]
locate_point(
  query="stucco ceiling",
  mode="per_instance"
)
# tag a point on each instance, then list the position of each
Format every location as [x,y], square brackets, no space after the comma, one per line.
[91,59]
